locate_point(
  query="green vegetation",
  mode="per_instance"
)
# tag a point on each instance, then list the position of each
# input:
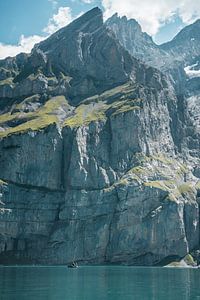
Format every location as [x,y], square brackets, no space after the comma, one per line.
[88,112]
[165,185]
[120,94]
[41,118]
[123,181]
[160,172]
[151,172]
[171,186]
[100,107]
[189,260]
[85,114]
[160,166]
[186,188]
[163,159]
[169,161]
[126,108]
[139,170]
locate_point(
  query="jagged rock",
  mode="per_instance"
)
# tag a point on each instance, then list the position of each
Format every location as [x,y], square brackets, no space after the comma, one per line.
[99,152]
[186,262]
[185,46]
[170,57]
[138,43]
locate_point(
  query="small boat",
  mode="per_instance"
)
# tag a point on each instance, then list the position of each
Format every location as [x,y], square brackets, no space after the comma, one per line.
[73,265]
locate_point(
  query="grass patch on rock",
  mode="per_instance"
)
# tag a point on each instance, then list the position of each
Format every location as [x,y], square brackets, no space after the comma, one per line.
[39,119]
[85,114]
[161,172]
[30,114]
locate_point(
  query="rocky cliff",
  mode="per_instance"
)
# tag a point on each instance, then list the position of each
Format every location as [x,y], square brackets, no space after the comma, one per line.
[99,154]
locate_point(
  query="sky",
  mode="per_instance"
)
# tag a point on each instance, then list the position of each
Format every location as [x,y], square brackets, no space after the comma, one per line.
[26,22]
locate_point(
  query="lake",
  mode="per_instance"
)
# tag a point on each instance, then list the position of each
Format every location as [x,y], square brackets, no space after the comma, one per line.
[99,283]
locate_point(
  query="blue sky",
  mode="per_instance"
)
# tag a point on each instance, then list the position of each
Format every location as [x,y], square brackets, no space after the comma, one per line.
[29,17]
[24,22]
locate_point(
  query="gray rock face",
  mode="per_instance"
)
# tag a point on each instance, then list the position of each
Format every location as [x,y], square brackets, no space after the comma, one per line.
[74,54]
[47,151]
[138,43]
[185,46]
[179,61]
[170,57]
[99,156]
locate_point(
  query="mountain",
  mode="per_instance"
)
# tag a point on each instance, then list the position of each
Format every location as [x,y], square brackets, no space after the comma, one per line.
[138,43]
[99,153]
[170,57]
[185,46]
[176,59]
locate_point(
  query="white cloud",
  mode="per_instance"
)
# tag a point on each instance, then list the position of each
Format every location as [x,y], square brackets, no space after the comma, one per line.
[153,14]
[150,14]
[87,1]
[59,20]
[25,44]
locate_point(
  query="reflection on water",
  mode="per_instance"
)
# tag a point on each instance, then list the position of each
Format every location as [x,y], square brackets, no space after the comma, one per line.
[99,283]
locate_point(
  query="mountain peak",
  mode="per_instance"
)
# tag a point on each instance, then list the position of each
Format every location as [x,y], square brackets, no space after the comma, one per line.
[186,35]
[100,153]
[94,16]
[130,34]
[86,52]
[123,20]
[190,31]
[86,23]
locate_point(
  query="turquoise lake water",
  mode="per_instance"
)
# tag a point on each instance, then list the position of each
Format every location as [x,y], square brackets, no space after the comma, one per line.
[99,283]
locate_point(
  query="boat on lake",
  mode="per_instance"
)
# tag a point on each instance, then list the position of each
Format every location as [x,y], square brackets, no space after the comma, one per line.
[73,265]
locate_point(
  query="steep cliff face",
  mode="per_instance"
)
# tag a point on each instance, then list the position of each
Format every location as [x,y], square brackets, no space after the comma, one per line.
[78,61]
[95,163]
[179,61]
[137,42]
[185,46]
[170,58]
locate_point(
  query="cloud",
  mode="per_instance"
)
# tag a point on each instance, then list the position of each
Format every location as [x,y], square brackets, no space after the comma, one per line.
[59,20]
[88,1]
[153,14]
[25,44]
[150,14]
[54,3]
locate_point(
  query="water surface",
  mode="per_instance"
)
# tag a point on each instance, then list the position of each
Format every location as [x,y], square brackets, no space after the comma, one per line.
[99,283]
